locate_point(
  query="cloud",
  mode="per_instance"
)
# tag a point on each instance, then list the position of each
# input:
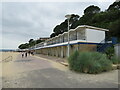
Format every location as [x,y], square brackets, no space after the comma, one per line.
[22,21]
[59,0]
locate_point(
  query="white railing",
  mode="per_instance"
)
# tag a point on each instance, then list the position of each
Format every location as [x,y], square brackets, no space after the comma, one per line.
[75,34]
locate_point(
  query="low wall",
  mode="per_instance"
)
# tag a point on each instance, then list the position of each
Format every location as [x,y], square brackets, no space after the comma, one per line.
[61,51]
[117,50]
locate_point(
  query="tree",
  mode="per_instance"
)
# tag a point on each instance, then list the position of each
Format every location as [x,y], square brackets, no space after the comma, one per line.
[23,46]
[31,40]
[92,10]
[115,28]
[114,6]
[74,18]
[52,35]
[89,13]
[38,41]
[59,29]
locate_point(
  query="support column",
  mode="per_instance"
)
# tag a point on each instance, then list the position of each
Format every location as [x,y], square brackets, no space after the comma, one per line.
[62,52]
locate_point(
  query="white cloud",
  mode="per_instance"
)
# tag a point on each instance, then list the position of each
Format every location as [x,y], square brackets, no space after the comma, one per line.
[58,0]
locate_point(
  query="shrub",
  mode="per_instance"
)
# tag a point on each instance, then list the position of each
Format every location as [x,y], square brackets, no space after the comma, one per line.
[72,61]
[89,62]
[111,56]
[110,52]
[115,60]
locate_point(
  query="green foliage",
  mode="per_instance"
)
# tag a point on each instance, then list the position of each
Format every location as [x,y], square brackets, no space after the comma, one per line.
[23,46]
[59,29]
[38,41]
[114,6]
[110,52]
[52,35]
[89,62]
[115,60]
[92,9]
[111,56]
[115,28]
[31,40]
[31,43]
[73,62]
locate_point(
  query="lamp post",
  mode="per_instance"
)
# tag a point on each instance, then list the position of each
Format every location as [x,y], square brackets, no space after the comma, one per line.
[35,46]
[68,19]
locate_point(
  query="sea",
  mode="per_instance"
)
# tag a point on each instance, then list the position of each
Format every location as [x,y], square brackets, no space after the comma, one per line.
[7,50]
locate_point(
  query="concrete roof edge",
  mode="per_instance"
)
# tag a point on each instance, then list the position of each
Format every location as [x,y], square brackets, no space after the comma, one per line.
[92,27]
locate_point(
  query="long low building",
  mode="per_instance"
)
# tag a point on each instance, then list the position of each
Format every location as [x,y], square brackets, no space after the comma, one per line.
[82,38]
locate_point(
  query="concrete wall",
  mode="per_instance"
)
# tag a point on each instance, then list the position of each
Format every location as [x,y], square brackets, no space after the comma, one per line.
[117,50]
[61,51]
[95,36]
[87,47]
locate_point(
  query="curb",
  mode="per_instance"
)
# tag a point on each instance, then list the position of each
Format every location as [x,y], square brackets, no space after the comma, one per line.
[115,66]
[63,63]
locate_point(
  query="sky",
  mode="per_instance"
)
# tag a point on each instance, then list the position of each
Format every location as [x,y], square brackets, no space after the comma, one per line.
[22,21]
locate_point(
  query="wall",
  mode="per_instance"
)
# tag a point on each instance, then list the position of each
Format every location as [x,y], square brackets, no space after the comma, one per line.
[95,36]
[117,50]
[61,51]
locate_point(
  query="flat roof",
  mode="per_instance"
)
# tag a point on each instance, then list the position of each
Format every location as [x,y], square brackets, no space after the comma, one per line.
[92,27]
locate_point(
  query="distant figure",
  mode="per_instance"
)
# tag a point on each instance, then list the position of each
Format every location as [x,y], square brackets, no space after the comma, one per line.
[22,54]
[29,53]
[32,53]
[26,54]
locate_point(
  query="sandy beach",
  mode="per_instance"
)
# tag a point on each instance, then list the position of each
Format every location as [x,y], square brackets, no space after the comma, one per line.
[5,58]
[6,55]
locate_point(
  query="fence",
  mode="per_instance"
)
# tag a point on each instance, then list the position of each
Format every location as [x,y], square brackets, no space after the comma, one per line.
[117,50]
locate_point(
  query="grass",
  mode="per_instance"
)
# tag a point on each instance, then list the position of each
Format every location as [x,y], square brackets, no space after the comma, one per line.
[89,62]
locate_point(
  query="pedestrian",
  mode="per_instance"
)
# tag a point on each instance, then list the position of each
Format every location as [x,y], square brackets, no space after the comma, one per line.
[26,54]
[29,53]
[32,53]
[22,54]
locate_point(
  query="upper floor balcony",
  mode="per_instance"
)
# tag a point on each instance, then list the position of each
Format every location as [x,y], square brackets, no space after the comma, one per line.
[81,33]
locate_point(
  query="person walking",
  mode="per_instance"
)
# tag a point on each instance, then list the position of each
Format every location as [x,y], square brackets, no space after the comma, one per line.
[22,54]
[29,53]
[32,53]
[26,54]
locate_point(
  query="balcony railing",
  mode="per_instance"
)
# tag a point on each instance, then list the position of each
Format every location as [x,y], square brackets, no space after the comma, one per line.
[73,35]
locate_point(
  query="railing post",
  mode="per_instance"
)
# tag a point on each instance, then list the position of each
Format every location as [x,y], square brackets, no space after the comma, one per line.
[114,40]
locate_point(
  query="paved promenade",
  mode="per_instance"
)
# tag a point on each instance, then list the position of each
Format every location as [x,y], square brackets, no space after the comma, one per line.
[43,72]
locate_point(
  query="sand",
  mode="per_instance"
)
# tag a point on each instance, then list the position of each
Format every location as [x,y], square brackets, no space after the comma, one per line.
[7,55]
[5,58]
